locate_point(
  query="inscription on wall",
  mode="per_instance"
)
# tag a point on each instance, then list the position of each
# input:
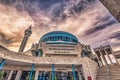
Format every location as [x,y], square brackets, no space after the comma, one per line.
[56,49]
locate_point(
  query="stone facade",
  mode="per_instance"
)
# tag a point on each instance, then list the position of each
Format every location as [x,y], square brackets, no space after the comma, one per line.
[105,55]
[113,6]
[117,55]
[20,62]
[67,54]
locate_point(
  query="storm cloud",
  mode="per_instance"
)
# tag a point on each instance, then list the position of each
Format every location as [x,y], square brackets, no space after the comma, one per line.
[88,20]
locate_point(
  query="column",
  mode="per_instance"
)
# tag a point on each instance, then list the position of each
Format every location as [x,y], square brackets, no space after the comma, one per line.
[2,63]
[103,58]
[99,61]
[10,75]
[31,72]
[52,71]
[108,56]
[115,59]
[80,76]
[113,55]
[36,74]
[73,70]
[43,78]
[62,76]
[18,75]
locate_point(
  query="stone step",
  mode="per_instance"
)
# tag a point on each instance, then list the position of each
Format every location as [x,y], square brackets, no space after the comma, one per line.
[111,72]
[118,66]
[109,68]
[108,74]
[106,78]
[114,73]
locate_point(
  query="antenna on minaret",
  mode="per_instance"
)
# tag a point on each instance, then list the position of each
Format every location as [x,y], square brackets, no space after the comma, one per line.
[27,34]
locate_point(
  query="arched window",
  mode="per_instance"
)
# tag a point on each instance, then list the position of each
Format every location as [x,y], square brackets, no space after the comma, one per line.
[61,37]
[50,37]
[83,54]
[65,38]
[53,37]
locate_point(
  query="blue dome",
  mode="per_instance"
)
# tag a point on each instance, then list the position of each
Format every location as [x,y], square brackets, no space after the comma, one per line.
[58,36]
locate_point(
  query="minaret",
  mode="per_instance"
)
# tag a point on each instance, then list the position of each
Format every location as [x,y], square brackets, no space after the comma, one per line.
[27,33]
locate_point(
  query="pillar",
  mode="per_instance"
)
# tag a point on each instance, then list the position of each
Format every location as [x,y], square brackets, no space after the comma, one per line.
[108,56]
[36,75]
[113,55]
[115,59]
[31,72]
[10,75]
[2,63]
[80,76]
[52,71]
[62,76]
[103,58]
[99,61]
[73,71]
[44,76]
[18,75]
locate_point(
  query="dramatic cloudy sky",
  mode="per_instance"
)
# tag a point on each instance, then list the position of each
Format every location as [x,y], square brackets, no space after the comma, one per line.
[88,20]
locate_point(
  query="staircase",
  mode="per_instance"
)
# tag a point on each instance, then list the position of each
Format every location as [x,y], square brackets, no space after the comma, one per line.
[109,73]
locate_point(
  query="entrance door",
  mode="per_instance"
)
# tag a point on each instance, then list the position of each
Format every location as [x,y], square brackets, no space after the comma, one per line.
[58,75]
[4,74]
[44,75]
[25,75]
[62,75]
[14,75]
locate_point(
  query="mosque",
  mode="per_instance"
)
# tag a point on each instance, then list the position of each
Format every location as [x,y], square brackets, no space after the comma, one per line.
[57,56]
[60,56]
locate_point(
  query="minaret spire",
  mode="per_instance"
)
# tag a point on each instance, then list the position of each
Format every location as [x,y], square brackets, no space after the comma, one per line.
[27,33]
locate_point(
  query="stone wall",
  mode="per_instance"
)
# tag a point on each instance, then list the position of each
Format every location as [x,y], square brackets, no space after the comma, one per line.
[90,68]
[22,61]
[113,6]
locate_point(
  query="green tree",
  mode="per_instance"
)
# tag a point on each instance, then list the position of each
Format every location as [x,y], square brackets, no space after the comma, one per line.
[33,77]
[1,75]
[27,78]
[55,77]
[72,78]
